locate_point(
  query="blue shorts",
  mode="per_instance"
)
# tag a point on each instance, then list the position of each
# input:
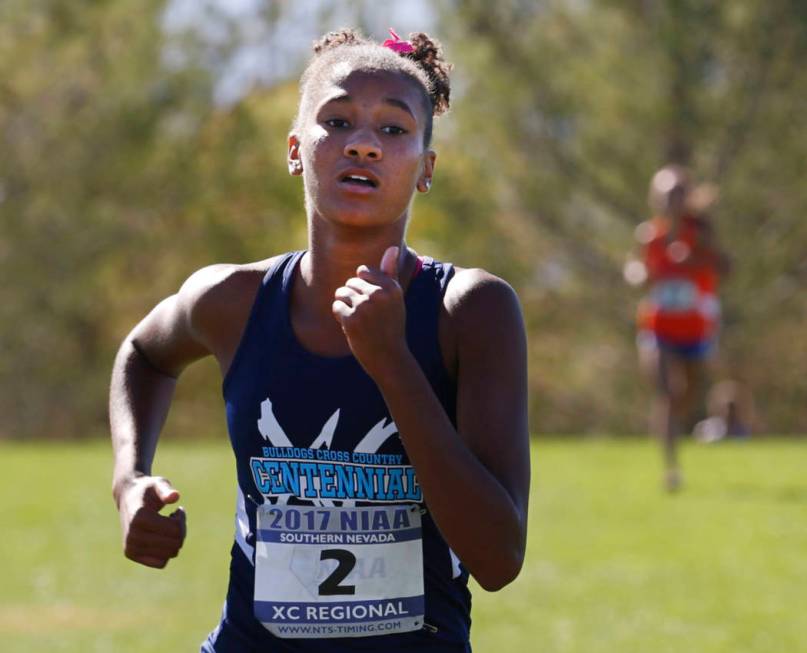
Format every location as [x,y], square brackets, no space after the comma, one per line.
[690,350]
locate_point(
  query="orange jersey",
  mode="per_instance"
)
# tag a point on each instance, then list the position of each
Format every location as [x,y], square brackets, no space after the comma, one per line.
[682,305]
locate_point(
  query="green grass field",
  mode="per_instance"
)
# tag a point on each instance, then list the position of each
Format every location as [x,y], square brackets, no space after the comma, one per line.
[613,564]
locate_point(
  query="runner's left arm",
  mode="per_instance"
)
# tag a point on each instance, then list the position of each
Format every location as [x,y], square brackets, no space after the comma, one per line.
[475,478]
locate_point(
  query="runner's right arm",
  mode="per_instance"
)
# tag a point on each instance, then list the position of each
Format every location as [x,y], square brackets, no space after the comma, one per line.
[178,331]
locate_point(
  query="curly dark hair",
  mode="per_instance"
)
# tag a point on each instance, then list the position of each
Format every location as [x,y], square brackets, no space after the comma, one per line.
[425,65]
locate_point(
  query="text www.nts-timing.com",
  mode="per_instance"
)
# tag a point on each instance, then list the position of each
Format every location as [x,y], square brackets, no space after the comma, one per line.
[336,629]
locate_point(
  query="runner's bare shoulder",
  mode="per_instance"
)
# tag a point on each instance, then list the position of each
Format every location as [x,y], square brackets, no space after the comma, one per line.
[474,291]
[647,231]
[479,310]
[217,300]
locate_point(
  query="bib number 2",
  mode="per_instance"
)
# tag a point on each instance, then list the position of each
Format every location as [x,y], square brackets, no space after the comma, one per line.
[347,561]
[339,571]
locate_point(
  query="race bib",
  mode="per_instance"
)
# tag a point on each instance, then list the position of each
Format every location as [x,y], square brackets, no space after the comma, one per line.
[339,572]
[675,295]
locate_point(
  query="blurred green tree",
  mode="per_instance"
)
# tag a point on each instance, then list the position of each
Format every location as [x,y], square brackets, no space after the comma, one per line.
[119,176]
[568,110]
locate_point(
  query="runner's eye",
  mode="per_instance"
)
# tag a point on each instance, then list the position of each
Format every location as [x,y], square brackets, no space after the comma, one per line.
[393,130]
[337,123]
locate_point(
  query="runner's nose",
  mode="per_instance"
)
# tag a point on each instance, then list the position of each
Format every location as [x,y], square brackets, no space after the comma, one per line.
[364,146]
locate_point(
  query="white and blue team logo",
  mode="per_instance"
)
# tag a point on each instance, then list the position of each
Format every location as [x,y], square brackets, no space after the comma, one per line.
[324,476]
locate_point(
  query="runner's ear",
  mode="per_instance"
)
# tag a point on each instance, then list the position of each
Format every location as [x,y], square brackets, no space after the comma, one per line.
[294,161]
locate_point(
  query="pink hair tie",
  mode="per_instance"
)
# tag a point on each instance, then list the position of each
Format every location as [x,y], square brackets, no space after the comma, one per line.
[396,45]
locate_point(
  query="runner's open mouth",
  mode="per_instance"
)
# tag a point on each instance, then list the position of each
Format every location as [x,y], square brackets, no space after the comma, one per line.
[359,179]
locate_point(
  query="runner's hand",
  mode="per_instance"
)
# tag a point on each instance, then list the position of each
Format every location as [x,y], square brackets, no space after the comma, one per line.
[150,538]
[370,308]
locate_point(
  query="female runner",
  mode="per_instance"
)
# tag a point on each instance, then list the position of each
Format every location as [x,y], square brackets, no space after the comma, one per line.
[375,398]
[680,264]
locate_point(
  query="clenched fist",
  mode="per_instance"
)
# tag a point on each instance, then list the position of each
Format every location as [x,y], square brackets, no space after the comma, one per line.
[370,309]
[150,538]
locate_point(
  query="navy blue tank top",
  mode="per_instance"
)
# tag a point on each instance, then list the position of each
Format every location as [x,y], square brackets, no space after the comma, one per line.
[285,402]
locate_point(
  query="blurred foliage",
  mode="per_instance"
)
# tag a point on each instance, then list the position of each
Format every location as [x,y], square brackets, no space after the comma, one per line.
[119,176]
[571,106]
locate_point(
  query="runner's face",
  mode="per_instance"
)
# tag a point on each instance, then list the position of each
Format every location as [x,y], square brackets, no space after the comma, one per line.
[675,201]
[361,148]
[670,189]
